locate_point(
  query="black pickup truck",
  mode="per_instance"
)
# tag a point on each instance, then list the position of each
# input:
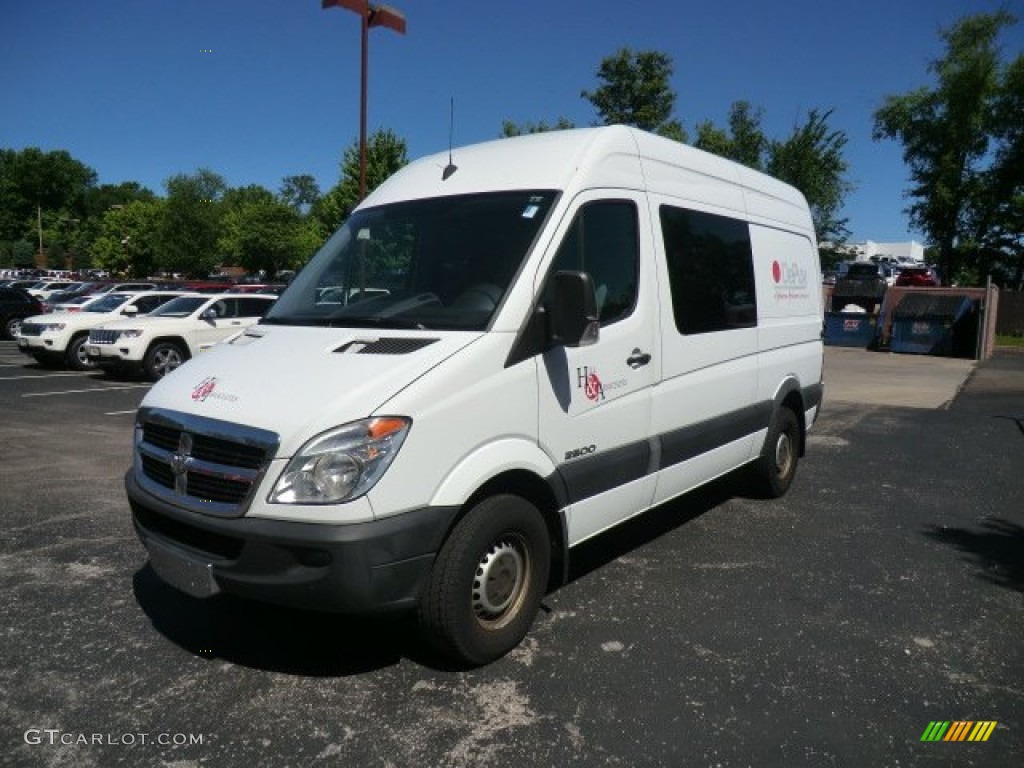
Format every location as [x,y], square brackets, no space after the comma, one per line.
[863,285]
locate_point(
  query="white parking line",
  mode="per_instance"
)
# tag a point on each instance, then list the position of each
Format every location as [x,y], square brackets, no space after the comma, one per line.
[119,413]
[79,391]
[43,376]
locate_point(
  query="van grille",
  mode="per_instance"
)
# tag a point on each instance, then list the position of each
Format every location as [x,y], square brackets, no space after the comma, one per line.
[205,465]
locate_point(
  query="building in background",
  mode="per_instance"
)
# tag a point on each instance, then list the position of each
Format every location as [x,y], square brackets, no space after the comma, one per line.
[869,249]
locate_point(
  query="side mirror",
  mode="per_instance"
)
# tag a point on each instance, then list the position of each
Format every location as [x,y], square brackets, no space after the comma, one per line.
[209,315]
[574,320]
[130,311]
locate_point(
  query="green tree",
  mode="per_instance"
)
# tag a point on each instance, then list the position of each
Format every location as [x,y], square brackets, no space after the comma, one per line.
[190,223]
[300,192]
[510,129]
[946,131]
[127,238]
[33,183]
[262,232]
[744,142]
[385,154]
[811,159]
[634,90]
[999,218]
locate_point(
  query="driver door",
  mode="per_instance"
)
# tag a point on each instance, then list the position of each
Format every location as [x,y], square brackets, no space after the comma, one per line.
[595,401]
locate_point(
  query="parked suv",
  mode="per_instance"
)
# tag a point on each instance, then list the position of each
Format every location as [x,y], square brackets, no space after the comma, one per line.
[862,285]
[61,336]
[15,305]
[180,329]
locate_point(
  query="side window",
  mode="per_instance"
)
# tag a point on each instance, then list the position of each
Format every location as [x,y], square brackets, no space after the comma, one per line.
[253,307]
[147,304]
[603,241]
[710,271]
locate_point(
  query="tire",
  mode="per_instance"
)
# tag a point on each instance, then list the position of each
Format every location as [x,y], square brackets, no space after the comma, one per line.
[161,358]
[11,327]
[774,470]
[487,582]
[75,356]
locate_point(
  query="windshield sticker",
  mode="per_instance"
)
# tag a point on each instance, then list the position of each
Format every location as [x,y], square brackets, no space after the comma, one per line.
[530,211]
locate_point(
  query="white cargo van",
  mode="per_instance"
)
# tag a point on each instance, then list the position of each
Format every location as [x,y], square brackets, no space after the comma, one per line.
[536,340]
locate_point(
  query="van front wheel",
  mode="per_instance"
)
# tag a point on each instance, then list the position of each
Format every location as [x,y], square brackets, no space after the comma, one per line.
[487,582]
[774,471]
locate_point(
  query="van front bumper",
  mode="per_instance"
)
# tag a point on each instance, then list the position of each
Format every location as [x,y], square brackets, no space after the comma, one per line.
[368,567]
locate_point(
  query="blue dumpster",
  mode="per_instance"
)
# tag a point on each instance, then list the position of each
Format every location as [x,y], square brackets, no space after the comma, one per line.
[849,329]
[923,324]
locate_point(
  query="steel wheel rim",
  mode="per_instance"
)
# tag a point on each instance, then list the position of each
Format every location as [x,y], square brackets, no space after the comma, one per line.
[500,581]
[783,454]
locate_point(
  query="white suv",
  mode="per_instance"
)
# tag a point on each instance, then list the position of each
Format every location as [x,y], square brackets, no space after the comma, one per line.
[180,329]
[61,336]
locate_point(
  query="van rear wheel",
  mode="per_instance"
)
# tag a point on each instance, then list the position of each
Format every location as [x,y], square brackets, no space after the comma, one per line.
[486,585]
[773,472]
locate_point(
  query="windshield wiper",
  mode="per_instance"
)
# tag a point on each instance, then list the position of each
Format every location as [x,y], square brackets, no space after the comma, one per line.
[375,321]
[359,321]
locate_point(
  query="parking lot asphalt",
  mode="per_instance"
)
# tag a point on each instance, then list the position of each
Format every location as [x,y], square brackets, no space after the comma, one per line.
[830,627]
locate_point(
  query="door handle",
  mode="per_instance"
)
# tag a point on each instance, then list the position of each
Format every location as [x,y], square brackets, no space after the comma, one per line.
[638,359]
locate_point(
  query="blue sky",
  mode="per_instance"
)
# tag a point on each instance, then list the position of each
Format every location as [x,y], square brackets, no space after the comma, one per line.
[258,90]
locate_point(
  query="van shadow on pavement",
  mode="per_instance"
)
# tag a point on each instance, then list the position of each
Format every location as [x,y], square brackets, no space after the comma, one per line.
[271,637]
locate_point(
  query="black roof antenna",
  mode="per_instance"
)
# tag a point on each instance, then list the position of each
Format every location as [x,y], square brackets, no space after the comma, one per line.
[451,168]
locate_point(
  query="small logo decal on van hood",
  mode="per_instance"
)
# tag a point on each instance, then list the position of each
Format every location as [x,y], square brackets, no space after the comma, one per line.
[204,389]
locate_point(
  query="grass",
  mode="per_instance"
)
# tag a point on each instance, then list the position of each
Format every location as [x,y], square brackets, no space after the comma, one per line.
[1006,340]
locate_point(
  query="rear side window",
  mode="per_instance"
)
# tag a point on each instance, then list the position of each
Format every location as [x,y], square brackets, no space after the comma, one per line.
[251,307]
[603,242]
[710,271]
[147,304]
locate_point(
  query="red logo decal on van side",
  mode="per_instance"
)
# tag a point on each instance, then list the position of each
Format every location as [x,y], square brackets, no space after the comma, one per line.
[776,271]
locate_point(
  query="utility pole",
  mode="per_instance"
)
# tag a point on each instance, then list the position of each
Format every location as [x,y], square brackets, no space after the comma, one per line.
[371,16]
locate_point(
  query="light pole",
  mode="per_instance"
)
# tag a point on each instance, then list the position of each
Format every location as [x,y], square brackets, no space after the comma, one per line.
[372,16]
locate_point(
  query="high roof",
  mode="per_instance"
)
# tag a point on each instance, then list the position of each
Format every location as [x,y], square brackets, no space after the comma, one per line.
[591,158]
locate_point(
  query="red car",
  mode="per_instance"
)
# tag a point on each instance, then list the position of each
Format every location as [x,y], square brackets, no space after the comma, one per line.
[918,277]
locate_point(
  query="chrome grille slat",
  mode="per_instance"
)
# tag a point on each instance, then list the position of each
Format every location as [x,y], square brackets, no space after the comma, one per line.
[103,336]
[205,465]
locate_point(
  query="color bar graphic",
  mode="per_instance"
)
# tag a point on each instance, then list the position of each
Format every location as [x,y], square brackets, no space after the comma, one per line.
[958,730]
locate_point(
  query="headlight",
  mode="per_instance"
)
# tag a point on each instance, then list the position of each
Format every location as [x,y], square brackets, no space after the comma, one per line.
[51,327]
[132,334]
[341,464]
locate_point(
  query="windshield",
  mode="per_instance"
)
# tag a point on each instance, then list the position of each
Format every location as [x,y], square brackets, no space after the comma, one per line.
[108,303]
[862,270]
[183,306]
[439,263]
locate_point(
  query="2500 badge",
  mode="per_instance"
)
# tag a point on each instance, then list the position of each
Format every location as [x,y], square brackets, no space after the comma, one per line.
[575,453]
